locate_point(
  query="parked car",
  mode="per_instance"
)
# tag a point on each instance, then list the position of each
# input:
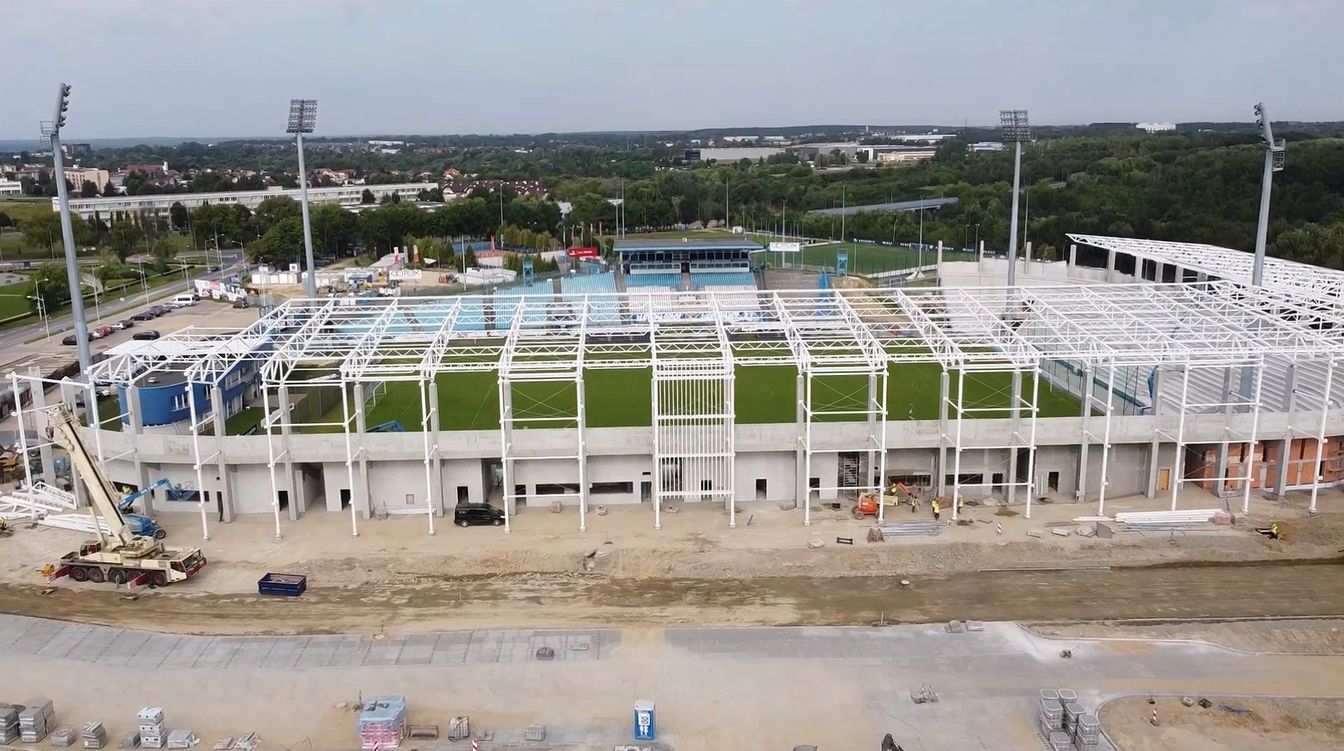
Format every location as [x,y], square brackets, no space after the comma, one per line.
[143,315]
[70,339]
[184,300]
[123,325]
[159,310]
[146,335]
[101,332]
[240,303]
[477,514]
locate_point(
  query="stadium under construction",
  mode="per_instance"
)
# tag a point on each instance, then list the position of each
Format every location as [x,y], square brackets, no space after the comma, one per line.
[1164,370]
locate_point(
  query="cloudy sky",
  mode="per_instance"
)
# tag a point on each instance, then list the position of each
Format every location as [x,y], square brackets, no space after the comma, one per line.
[229,67]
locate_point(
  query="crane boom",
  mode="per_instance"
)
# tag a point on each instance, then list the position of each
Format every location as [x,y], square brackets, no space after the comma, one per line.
[102,495]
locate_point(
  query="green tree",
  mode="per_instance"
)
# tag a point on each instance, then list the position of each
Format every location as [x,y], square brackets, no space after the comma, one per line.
[5,221]
[168,248]
[367,197]
[177,216]
[51,283]
[274,210]
[281,244]
[88,189]
[42,230]
[334,229]
[122,239]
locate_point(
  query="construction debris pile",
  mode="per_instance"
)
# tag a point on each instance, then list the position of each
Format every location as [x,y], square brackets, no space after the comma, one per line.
[1065,724]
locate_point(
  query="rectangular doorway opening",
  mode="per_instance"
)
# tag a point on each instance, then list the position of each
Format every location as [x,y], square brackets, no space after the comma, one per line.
[1052,481]
[345,498]
[760,488]
[463,495]
[283,498]
[645,491]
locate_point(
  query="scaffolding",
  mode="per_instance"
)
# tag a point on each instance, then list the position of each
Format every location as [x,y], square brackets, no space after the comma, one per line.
[841,344]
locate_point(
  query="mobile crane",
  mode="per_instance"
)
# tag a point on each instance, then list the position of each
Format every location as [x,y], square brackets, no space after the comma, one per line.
[119,555]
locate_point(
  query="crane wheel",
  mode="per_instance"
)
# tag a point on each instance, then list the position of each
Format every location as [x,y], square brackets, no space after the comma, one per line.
[158,579]
[161,533]
[79,573]
[96,575]
[116,576]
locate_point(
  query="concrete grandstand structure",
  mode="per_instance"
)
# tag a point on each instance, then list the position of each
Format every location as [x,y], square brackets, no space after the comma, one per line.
[1081,383]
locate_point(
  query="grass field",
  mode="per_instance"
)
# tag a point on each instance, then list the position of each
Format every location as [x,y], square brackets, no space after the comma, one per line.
[21,210]
[621,398]
[864,258]
[14,299]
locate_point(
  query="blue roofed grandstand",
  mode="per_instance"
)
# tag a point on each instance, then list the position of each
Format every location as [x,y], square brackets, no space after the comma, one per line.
[685,264]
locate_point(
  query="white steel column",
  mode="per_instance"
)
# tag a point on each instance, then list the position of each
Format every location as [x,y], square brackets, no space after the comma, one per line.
[196,456]
[1106,438]
[582,426]
[270,457]
[349,459]
[505,438]
[1248,466]
[1320,433]
[1178,464]
[429,451]
[1031,438]
[956,445]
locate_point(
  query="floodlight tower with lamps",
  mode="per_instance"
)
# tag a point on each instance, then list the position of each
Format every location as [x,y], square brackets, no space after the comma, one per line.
[1015,129]
[52,130]
[302,118]
[1273,163]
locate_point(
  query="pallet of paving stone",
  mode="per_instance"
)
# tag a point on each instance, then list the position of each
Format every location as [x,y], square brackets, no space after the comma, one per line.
[182,739]
[246,742]
[130,740]
[63,737]
[93,735]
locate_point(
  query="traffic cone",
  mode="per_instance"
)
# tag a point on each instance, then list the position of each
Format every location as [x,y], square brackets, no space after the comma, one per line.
[998,528]
[1153,719]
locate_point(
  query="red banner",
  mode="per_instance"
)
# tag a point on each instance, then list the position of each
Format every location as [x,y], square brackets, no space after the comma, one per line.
[584,252]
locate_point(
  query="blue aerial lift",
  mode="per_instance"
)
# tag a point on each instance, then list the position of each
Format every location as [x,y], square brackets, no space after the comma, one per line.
[140,524]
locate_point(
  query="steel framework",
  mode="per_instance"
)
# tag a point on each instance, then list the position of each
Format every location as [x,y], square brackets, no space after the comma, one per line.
[694,343]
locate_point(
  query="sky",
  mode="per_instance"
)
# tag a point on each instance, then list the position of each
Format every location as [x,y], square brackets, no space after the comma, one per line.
[229,67]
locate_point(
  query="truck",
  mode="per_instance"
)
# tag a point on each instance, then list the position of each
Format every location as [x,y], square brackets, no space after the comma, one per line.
[118,555]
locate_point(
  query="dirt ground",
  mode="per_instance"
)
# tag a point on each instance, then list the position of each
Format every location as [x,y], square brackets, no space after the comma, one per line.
[1270,725]
[1296,636]
[696,570]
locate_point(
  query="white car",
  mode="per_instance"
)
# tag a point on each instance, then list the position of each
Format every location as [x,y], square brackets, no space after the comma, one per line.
[183,301]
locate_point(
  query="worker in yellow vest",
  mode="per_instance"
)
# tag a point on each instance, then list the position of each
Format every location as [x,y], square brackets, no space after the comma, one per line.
[1274,531]
[935,509]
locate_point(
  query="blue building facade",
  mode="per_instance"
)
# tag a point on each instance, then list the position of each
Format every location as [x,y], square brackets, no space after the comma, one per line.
[163,395]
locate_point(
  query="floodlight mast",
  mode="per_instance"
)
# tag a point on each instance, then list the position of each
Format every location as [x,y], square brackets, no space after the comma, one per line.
[1273,163]
[1016,129]
[53,132]
[302,119]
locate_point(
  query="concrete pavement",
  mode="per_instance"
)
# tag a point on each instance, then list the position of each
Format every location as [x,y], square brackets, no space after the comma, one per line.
[838,688]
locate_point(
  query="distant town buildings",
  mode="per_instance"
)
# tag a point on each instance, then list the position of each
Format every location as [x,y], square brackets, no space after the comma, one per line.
[124,207]
[10,187]
[985,146]
[1156,127]
[455,189]
[78,176]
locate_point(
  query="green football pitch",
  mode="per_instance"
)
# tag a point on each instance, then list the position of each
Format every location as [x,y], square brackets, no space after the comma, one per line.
[865,258]
[621,398]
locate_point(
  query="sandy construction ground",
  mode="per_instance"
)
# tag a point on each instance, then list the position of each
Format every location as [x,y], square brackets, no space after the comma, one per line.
[1270,725]
[696,570]
[1296,636]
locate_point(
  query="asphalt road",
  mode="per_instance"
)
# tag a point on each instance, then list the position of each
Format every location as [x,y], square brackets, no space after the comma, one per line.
[17,335]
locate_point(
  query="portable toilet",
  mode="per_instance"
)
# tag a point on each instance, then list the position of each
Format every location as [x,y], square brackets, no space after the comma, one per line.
[644,720]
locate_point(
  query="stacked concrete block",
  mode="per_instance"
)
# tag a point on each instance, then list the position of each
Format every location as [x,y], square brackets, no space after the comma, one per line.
[62,738]
[9,723]
[1087,733]
[36,720]
[1059,741]
[1050,712]
[93,735]
[152,732]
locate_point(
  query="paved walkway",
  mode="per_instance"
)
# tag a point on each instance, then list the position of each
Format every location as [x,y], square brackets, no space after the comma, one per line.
[115,646]
[840,688]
